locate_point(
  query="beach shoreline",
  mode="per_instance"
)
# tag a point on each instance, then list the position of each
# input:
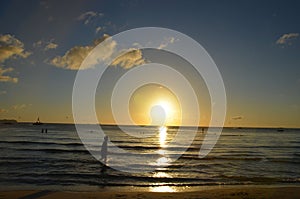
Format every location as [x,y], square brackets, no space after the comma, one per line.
[252,191]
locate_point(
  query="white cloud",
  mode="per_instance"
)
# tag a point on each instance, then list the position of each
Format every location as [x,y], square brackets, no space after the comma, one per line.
[98,29]
[166,42]
[6,78]
[73,58]
[287,38]
[133,57]
[89,16]
[11,48]
[50,45]
[46,45]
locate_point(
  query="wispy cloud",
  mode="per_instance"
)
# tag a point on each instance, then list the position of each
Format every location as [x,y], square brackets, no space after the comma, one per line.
[20,106]
[98,29]
[89,17]
[237,117]
[166,42]
[132,58]
[287,38]
[73,58]
[50,45]
[45,45]
[10,48]
[7,78]
[37,44]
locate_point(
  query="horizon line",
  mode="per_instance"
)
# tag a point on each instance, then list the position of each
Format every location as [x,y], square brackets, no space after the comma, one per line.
[186,126]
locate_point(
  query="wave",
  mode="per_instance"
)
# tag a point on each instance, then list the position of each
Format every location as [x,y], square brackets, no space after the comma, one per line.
[261,179]
[196,157]
[42,143]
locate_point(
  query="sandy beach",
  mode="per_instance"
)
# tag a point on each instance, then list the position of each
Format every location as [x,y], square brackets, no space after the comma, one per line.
[238,192]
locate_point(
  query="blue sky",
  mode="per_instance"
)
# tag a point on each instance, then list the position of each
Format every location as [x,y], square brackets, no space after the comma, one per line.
[255,45]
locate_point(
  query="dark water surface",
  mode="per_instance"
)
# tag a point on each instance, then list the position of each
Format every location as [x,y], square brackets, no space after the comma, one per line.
[30,159]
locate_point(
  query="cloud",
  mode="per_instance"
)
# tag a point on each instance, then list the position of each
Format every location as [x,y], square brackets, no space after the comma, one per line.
[166,42]
[20,106]
[98,29]
[45,45]
[73,58]
[287,38]
[6,78]
[237,118]
[50,45]
[89,16]
[132,58]
[37,44]
[11,48]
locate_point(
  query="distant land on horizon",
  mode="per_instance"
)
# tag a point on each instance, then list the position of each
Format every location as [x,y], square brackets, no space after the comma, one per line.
[8,121]
[13,121]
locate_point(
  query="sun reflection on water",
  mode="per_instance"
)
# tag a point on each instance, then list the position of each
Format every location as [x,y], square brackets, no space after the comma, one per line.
[163,161]
[162,189]
[161,174]
[162,136]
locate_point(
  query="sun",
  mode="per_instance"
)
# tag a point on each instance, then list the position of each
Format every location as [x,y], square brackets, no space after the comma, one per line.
[166,106]
[153,104]
[161,113]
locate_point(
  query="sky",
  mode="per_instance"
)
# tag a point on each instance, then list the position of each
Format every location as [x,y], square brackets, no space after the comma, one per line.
[255,45]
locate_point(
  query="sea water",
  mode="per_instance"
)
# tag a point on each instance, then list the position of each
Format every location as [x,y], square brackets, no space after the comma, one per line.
[30,159]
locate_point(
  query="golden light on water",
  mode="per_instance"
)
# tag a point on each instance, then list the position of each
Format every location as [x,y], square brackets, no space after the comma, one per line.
[163,161]
[162,189]
[161,175]
[162,136]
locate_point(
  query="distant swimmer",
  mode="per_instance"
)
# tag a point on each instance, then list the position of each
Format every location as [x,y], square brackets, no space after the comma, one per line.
[44,131]
[103,151]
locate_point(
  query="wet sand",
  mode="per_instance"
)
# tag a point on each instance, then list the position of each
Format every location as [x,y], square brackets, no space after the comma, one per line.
[237,192]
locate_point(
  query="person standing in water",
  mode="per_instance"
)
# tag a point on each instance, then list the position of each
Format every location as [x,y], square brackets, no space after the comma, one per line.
[103,151]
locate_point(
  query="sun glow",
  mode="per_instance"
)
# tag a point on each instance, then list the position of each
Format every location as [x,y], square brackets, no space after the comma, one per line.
[166,106]
[162,113]
[155,105]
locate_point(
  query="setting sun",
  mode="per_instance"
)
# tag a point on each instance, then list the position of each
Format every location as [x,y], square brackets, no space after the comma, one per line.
[153,104]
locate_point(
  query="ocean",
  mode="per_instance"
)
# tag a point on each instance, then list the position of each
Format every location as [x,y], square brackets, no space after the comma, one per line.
[57,160]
